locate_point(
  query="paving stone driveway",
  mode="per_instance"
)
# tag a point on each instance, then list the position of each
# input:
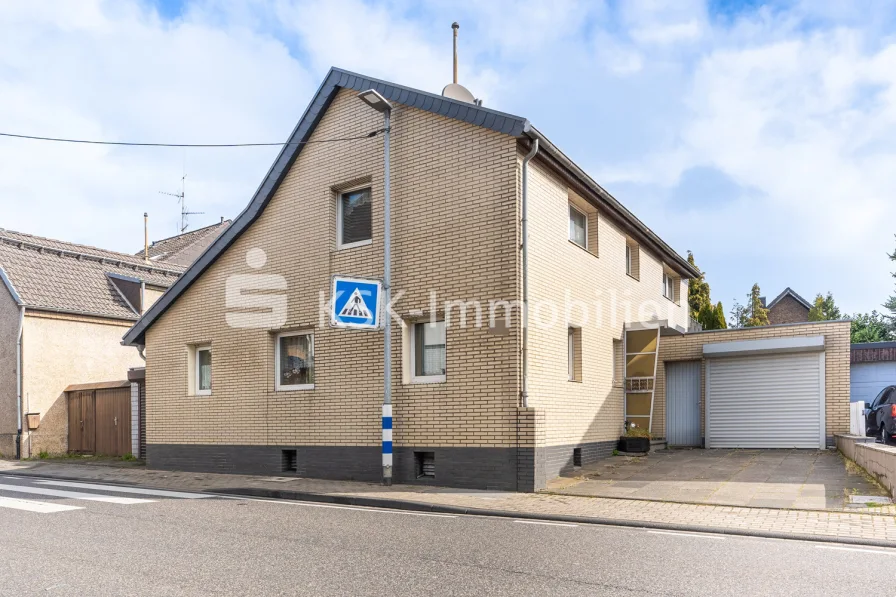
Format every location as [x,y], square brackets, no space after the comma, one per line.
[796,479]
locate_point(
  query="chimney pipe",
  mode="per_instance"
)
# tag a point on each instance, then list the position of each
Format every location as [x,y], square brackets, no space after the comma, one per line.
[455,27]
[145,236]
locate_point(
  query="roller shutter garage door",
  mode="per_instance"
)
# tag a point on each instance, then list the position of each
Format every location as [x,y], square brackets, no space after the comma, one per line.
[768,401]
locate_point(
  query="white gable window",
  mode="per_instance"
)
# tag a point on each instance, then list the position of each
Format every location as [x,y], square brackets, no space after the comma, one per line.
[203,370]
[295,361]
[354,219]
[578,227]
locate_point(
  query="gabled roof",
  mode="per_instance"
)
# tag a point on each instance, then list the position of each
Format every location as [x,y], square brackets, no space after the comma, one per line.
[501,122]
[53,275]
[789,292]
[184,248]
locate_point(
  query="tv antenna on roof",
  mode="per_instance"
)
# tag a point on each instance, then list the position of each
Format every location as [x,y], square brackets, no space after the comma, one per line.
[183,205]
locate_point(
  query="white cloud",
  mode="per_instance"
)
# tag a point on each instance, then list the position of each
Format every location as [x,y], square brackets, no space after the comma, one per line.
[795,103]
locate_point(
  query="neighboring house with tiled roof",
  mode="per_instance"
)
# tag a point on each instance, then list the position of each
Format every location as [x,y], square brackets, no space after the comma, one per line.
[788,307]
[185,248]
[63,309]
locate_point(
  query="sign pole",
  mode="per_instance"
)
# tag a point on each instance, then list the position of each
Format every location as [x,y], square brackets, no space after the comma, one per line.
[387,294]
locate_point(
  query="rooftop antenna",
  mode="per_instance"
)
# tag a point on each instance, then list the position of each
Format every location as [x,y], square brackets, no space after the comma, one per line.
[184,223]
[454,90]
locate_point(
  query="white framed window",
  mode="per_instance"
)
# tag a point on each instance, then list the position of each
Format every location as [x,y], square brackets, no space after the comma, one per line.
[203,375]
[571,351]
[428,354]
[668,286]
[578,227]
[294,356]
[628,259]
[354,219]
[574,353]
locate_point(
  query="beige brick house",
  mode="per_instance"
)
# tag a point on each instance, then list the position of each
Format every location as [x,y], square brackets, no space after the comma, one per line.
[477,403]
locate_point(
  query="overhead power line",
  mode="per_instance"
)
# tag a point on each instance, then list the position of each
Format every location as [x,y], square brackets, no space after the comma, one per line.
[130,144]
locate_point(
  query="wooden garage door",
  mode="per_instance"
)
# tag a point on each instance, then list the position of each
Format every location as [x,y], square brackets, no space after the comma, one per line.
[769,401]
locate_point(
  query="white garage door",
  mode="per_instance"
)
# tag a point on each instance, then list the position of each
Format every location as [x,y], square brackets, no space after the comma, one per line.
[769,401]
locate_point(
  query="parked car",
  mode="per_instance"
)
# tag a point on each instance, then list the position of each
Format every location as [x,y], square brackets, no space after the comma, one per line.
[880,416]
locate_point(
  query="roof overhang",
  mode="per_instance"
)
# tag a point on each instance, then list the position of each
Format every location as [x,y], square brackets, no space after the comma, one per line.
[338,79]
[742,348]
[9,286]
[590,189]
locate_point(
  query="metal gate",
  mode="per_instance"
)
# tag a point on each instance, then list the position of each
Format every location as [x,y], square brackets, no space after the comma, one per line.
[99,420]
[683,403]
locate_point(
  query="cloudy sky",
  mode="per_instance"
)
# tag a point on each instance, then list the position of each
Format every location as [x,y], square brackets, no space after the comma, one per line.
[761,136]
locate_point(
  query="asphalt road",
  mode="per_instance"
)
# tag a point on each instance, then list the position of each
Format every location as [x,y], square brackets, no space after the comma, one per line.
[53,541]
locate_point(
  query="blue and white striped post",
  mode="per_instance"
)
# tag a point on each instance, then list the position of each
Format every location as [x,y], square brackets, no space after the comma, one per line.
[387,444]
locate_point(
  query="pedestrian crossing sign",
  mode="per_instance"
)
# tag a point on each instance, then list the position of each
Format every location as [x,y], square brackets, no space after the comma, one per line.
[356,303]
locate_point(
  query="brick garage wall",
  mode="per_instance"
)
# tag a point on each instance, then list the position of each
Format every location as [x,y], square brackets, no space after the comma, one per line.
[585,414]
[455,232]
[788,310]
[836,336]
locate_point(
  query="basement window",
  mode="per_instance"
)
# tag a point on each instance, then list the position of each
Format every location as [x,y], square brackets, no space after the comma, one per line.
[577,457]
[425,465]
[290,461]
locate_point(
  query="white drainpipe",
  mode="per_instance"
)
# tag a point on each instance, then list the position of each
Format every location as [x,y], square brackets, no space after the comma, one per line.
[524,393]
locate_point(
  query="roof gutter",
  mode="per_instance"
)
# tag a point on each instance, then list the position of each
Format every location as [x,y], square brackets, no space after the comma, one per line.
[642,233]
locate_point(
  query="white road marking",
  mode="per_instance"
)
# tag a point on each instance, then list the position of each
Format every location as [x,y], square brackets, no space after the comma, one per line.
[551,524]
[40,507]
[335,507]
[77,495]
[877,551]
[676,534]
[119,489]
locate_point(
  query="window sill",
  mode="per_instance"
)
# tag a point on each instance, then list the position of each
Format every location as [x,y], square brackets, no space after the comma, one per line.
[586,249]
[635,278]
[671,300]
[360,243]
[200,394]
[574,380]
[299,388]
[429,379]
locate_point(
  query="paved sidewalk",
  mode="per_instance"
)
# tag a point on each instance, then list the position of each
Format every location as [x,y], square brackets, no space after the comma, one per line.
[866,527]
[789,479]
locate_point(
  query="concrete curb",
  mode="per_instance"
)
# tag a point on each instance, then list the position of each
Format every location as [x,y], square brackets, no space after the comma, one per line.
[398,504]
[410,505]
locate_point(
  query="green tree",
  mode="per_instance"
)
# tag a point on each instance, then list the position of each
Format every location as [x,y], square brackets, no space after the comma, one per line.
[758,314]
[712,318]
[870,327]
[698,292]
[740,315]
[720,317]
[824,309]
[890,305]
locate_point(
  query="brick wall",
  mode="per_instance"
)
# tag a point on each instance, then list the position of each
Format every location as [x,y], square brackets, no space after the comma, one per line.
[788,310]
[454,232]
[836,334]
[588,413]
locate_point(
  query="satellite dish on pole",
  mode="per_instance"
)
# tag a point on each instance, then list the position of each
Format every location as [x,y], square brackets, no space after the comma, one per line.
[458,92]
